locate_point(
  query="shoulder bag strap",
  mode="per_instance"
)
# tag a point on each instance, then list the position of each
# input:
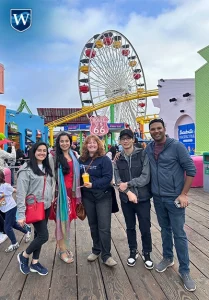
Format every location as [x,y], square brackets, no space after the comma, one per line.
[89,165]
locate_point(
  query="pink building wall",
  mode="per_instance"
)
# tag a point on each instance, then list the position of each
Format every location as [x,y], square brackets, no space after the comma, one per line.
[1,79]
[170,111]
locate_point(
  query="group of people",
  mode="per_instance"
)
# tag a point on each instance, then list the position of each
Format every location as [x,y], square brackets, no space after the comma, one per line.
[158,172]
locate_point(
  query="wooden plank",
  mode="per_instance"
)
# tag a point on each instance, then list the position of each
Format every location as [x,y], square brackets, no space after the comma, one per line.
[197,217]
[116,281]
[90,282]
[199,195]
[5,258]
[36,286]
[64,281]
[201,211]
[170,280]
[12,281]
[196,226]
[142,281]
[170,283]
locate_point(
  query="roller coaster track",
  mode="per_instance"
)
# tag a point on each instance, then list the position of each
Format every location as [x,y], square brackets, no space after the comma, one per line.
[89,109]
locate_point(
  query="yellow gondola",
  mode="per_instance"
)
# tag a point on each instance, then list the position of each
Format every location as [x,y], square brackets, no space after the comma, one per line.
[99,44]
[117,44]
[85,69]
[132,63]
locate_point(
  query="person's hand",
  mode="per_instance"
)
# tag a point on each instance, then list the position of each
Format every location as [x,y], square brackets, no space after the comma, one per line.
[21,222]
[88,185]
[183,199]
[13,144]
[14,190]
[123,186]
[117,155]
[131,197]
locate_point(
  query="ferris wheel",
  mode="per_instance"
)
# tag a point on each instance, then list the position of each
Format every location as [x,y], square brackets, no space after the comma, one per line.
[109,67]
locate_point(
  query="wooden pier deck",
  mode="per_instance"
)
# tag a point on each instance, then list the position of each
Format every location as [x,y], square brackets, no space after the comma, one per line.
[94,281]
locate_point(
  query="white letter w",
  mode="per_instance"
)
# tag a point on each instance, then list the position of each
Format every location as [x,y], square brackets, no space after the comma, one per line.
[17,21]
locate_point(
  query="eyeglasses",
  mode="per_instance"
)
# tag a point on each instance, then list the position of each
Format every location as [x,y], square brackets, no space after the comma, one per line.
[126,139]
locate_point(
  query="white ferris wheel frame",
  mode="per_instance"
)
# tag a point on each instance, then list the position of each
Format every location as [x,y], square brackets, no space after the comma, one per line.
[125,108]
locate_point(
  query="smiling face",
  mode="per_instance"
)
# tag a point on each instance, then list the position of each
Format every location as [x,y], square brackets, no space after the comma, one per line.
[41,153]
[92,146]
[157,132]
[127,142]
[64,143]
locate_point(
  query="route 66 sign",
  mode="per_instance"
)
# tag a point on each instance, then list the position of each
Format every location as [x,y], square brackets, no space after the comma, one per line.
[99,125]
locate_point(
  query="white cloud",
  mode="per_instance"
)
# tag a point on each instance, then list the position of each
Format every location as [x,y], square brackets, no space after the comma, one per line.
[167,46]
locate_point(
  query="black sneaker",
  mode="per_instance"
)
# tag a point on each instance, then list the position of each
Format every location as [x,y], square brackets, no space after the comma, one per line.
[38,268]
[148,263]
[131,261]
[23,264]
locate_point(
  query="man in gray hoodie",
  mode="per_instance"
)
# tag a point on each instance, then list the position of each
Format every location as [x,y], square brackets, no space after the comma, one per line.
[172,172]
[132,175]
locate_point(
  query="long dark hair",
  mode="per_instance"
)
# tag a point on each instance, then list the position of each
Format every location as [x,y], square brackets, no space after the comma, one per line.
[60,159]
[2,177]
[33,161]
[113,151]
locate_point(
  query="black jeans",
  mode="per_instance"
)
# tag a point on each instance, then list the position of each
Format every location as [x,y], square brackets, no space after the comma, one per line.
[142,210]
[98,210]
[10,223]
[41,236]
[2,216]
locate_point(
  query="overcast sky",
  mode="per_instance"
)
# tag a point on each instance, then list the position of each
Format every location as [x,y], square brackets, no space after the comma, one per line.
[41,64]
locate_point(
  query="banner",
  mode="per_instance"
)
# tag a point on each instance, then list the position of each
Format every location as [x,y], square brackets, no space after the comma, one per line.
[186,135]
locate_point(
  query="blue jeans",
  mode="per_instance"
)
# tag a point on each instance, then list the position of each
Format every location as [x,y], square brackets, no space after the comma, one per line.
[98,211]
[10,223]
[171,220]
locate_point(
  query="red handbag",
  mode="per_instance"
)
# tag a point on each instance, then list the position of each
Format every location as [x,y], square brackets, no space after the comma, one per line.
[35,211]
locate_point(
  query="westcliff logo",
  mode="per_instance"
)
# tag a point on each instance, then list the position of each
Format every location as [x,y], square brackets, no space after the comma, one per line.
[21,19]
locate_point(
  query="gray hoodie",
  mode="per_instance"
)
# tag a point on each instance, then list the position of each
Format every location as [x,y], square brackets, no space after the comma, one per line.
[29,183]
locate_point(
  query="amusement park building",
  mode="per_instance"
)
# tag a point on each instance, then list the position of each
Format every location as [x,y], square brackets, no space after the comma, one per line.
[176,102]
[202,104]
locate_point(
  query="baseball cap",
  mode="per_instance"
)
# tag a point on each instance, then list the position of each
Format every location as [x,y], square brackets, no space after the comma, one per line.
[126,132]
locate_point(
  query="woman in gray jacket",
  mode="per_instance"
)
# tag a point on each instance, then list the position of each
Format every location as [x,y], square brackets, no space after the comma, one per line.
[35,178]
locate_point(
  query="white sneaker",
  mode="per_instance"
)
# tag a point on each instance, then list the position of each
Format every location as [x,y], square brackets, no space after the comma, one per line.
[3,237]
[12,247]
[28,236]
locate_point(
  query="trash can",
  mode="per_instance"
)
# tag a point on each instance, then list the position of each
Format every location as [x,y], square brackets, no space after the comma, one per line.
[206,172]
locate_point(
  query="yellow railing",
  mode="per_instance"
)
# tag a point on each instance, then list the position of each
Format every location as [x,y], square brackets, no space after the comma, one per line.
[89,109]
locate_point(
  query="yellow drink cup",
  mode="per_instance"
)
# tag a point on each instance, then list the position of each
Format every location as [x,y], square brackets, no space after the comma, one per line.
[85,177]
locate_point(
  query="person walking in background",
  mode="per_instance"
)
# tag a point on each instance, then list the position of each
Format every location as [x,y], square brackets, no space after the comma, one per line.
[67,173]
[96,171]
[169,161]
[9,207]
[5,155]
[35,178]
[112,152]
[132,175]
[11,164]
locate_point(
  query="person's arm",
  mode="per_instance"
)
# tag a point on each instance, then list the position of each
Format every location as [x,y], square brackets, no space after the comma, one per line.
[6,155]
[116,174]
[22,191]
[188,166]
[143,179]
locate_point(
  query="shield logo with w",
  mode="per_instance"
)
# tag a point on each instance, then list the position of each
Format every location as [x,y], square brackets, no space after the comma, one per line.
[21,19]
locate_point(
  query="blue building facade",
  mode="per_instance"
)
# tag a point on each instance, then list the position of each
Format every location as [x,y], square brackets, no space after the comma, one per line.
[24,128]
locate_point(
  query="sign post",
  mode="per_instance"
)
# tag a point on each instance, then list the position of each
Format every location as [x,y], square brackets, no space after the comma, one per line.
[99,125]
